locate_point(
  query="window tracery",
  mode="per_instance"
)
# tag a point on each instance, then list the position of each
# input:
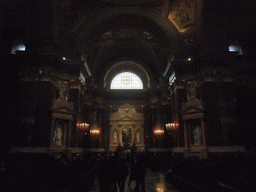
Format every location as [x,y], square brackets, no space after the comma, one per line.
[126,80]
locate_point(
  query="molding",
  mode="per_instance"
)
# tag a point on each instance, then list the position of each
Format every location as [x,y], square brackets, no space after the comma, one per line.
[192,106]
[29,149]
[59,115]
[212,149]
[195,115]
[226,149]
[133,2]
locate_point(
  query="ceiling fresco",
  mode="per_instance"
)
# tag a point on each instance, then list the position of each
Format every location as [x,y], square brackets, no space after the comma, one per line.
[103,30]
[160,9]
[182,14]
[71,17]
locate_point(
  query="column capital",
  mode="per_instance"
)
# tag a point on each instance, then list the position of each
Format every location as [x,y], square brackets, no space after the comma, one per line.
[178,84]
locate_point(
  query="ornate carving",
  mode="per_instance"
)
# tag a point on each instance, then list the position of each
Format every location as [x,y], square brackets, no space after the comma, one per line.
[189,40]
[58,135]
[145,43]
[126,126]
[115,136]
[178,84]
[138,136]
[62,102]
[220,76]
[71,15]
[147,35]
[182,14]
[197,134]
[192,106]
[126,112]
[160,9]
[191,90]
[107,36]
[126,135]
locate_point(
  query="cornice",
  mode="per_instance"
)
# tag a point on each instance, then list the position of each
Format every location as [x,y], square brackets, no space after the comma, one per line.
[134,2]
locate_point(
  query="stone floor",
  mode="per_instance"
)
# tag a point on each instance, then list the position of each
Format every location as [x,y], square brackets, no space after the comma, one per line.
[154,182]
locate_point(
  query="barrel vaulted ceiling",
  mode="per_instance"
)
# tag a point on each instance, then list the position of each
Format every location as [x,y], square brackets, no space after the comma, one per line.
[103,31]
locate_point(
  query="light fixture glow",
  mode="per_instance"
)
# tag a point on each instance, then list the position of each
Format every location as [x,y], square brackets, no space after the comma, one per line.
[95,131]
[159,131]
[82,125]
[171,125]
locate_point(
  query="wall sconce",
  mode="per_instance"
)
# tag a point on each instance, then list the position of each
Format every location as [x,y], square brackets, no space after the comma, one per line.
[28,120]
[159,131]
[171,126]
[94,131]
[82,125]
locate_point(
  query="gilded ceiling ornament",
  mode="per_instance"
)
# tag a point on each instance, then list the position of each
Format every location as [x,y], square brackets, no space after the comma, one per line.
[182,14]
[127,80]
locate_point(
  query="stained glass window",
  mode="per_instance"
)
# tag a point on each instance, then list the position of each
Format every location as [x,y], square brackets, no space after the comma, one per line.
[126,80]
[235,48]
[172,78]
[19,47]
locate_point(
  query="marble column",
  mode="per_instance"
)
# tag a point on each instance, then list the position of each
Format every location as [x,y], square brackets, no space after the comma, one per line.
[203,133]
[69,150]
[179,98]
[120,140]
[51,134]
[204,150]
[94,127]
[185,135]
[69,134]
[159,126]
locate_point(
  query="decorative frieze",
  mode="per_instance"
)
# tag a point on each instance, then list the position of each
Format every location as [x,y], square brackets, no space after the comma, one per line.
[194,104]
[62,116]
[38,76]
[128,112]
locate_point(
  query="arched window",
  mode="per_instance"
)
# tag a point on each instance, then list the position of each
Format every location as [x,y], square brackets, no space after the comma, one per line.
[235,47]
[126,80]
[18,47]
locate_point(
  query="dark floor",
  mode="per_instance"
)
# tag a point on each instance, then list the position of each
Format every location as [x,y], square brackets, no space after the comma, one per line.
[154,182]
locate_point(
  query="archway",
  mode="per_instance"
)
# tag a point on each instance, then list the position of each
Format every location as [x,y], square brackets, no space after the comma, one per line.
[126,80]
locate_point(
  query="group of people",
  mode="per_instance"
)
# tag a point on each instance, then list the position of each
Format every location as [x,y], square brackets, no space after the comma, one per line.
[112,172]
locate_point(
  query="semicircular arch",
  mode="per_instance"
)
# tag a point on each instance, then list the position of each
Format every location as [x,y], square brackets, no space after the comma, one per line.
[127,66]
[126,80]
[164,24]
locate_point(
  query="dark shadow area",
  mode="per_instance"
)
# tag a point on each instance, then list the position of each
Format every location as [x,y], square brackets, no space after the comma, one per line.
[111,172]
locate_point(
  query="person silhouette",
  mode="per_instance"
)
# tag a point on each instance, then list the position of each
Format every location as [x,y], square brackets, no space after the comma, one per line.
[140,173]
[132,169]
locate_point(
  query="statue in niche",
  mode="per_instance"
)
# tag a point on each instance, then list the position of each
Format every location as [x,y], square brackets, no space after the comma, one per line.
[197,135]
[115,136]
[138,136]
[192,91]
[62,93]
[57,136]
[126,135]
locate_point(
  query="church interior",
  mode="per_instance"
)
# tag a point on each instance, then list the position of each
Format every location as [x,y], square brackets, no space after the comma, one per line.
[172,79]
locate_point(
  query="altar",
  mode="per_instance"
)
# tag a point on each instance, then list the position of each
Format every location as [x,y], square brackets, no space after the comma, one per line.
[126,128]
